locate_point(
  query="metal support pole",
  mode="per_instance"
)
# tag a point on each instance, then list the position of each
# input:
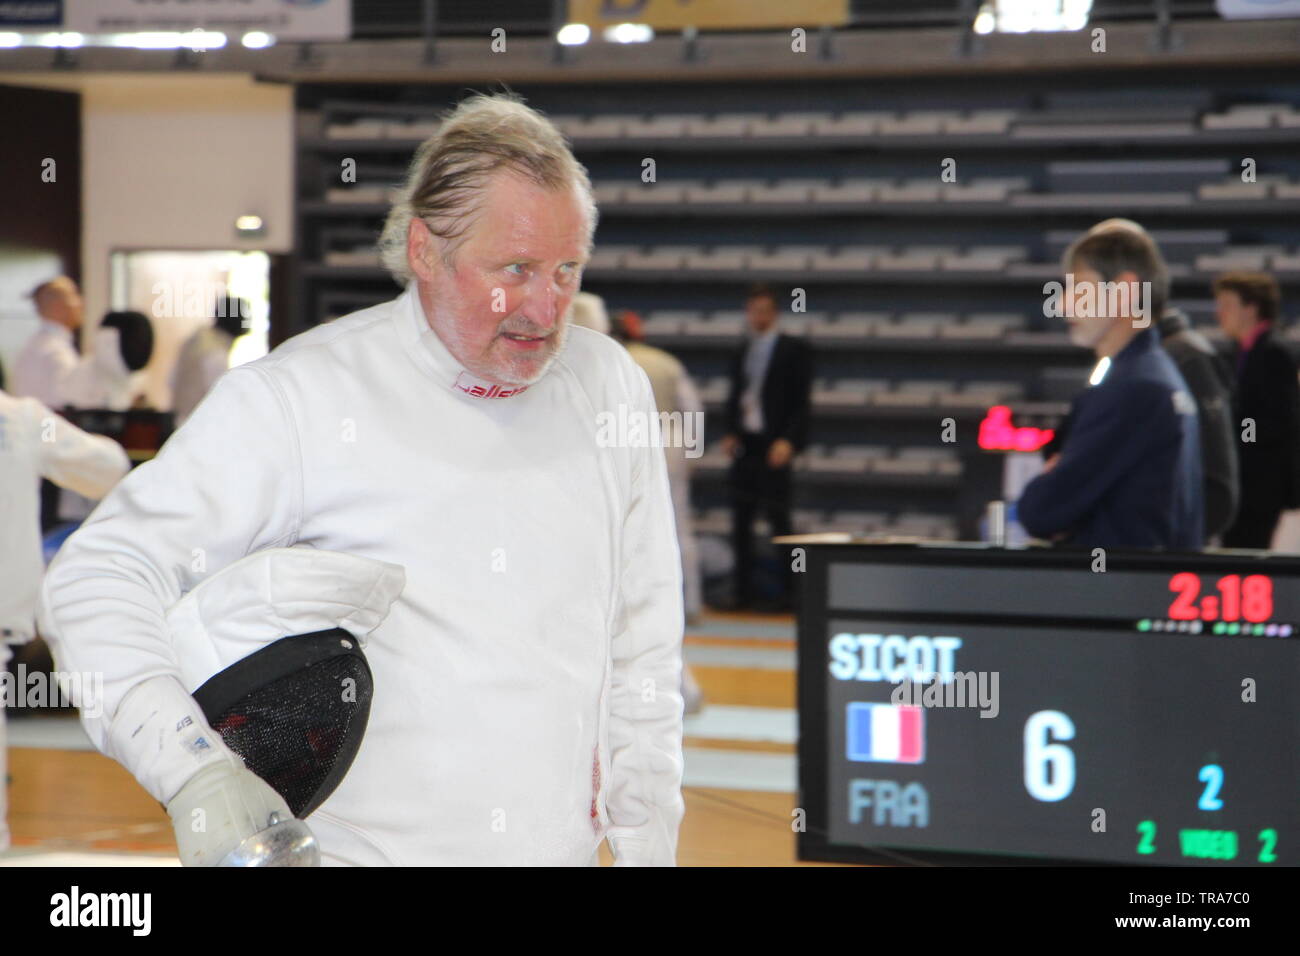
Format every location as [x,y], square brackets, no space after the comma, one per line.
[825,47]
[690,44]
[430,31]
[559,14]
[966,38]
[1163,39]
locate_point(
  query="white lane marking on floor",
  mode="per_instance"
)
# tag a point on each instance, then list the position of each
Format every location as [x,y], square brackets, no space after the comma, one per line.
[722,628]
[759,658]
[48,733]
[727,722]
[732,770]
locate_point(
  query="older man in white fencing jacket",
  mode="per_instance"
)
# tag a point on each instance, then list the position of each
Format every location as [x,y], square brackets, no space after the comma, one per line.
[526,700]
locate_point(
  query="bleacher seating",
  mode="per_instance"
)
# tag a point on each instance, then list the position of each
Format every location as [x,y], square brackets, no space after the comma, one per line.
[924,296]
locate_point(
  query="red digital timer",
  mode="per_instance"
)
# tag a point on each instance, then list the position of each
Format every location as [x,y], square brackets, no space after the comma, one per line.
[1249,598]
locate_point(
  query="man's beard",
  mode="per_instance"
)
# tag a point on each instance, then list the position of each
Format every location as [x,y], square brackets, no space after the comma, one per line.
[522,369]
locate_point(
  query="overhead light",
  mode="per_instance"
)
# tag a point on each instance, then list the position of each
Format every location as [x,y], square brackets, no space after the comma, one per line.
[1099,371]
[1074,14]
[257,40]
[249,225]
[629,33]
[574,34]
[60,39]
[149,40]
[1025,16]
[11,39]
[203,39]
[169,39]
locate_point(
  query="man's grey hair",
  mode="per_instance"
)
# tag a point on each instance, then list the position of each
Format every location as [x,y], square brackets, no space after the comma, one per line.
[483,135]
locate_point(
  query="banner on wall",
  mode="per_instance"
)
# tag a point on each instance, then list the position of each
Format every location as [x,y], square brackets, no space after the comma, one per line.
[283,19]
[710,14]
[1243,9]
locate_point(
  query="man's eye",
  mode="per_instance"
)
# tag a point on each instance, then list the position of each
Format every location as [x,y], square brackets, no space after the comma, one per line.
[515,266]
[569,268]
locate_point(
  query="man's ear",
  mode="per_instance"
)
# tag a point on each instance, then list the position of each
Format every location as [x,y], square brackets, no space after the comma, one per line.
[1135,293]
[421,249]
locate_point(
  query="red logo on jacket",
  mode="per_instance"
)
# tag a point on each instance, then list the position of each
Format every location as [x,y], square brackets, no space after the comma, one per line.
[480,389]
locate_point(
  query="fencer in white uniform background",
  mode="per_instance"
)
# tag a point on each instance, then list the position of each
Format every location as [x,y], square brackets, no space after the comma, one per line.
[36,443]
[674,392]
[526,701]
[205,356]
[50,370]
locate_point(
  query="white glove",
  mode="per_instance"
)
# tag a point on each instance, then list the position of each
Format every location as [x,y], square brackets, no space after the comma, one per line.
[225,808]
[216,804]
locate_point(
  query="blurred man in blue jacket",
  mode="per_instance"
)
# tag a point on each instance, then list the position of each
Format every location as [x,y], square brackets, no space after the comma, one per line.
[1129,473]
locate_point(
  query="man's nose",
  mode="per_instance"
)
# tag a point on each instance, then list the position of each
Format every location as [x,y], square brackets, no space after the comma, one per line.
[544,309]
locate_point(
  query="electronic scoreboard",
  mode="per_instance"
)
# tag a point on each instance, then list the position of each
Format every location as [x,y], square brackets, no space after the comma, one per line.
[974,704]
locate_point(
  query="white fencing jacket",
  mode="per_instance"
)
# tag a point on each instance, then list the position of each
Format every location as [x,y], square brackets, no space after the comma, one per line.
[526,680]
[36,443]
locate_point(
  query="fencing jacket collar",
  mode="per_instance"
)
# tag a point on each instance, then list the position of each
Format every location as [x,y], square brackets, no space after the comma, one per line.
[435,358]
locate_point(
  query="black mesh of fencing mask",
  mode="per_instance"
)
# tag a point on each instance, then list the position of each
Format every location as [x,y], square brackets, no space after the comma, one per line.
[295,711]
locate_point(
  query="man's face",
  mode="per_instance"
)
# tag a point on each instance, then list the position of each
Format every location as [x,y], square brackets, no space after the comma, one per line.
[1235,317]
[61,303]
[500,307]
[1086,311]
[761,313]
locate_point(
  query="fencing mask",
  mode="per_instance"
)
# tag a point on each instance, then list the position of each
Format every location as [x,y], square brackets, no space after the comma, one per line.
[295,712]
[271,649]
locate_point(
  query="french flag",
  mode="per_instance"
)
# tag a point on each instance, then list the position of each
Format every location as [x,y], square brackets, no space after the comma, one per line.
[886,733]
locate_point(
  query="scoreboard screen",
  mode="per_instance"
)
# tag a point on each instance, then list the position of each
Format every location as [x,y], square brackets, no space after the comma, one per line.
[986,705]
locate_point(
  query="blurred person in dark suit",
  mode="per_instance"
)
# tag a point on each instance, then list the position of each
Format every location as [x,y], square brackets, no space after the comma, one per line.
[767,415]
[1211,383]
[1129,471]
[1267,408]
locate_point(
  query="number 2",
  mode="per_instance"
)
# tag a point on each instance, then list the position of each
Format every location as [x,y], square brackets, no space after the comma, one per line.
[1212,776]
[1190,585]
[1148,842]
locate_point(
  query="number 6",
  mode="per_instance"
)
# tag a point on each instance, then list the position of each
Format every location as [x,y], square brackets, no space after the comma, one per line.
[1049,767]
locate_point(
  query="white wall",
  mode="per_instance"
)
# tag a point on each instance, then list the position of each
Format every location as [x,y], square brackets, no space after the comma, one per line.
[169,160]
